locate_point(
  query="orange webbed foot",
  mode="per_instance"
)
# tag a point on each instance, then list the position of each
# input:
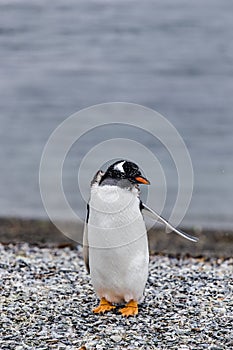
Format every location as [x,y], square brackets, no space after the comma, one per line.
[130,309]
[104,306]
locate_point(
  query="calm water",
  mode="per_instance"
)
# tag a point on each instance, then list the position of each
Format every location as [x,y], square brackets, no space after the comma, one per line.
[173,56]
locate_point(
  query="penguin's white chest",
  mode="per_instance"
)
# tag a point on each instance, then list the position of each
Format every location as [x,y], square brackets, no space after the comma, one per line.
[118,247]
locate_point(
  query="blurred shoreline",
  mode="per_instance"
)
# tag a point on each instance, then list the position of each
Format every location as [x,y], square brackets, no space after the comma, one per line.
[218,243]
[172,57]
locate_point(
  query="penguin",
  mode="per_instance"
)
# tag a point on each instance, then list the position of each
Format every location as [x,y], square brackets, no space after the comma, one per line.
[115,244]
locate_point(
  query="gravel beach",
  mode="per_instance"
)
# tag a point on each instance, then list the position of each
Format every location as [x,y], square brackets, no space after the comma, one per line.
[47,298]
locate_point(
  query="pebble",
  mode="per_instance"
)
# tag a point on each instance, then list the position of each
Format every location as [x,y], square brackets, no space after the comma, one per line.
[47,298]
[116,338]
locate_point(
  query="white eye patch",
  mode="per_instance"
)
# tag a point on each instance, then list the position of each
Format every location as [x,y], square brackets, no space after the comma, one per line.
[119,166]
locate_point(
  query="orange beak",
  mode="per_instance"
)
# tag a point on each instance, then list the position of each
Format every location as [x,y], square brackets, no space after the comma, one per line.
[142,180]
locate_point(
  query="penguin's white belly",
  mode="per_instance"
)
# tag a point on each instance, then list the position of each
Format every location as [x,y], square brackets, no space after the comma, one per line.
[118,247]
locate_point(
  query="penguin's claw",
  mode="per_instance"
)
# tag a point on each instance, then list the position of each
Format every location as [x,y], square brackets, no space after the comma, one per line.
[103,306]
[130,309]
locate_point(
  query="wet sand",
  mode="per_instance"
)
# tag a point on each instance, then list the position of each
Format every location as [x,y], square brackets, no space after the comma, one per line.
[42,232]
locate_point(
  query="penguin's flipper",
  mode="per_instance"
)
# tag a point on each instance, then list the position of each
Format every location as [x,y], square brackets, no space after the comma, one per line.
[95,182]
[85,242]
[151,213]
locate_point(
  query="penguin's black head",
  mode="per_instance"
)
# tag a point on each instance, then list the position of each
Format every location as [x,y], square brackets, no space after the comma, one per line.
[125,170]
